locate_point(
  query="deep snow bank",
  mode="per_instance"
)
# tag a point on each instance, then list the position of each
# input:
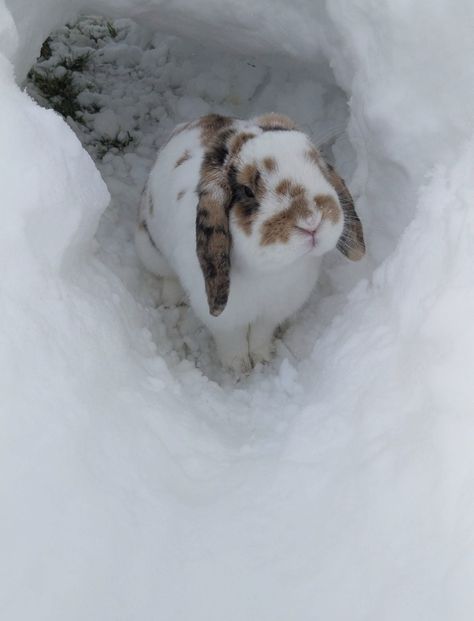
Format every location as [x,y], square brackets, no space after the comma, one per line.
[338,486]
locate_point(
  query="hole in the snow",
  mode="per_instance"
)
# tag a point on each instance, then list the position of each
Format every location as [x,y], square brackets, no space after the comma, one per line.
[123,90]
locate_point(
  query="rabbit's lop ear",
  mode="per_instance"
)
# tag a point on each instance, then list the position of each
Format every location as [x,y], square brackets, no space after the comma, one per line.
[213,240]
[351,243]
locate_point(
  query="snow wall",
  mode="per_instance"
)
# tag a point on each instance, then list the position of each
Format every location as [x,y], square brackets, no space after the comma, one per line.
[340,488]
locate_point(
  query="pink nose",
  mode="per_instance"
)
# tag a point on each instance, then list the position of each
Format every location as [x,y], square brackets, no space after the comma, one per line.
[311,222]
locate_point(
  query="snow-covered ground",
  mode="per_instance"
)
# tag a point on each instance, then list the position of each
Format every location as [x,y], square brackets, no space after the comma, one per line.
[137,480]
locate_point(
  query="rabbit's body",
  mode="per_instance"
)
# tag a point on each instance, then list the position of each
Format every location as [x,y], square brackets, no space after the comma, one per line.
[228,214]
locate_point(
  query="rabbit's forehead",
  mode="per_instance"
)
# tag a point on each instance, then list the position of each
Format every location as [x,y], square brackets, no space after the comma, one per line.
[283,159]
[278,144]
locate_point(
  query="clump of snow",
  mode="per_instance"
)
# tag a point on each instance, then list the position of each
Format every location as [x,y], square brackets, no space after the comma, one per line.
[106,123]
[137,480]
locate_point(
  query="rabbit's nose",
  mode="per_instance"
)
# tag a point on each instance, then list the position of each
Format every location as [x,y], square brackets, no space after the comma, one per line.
[311,222]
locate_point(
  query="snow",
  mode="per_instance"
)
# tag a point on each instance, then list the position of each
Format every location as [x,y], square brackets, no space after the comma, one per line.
[137,479]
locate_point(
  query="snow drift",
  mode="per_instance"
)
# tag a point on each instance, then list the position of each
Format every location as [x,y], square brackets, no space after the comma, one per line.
[337,484]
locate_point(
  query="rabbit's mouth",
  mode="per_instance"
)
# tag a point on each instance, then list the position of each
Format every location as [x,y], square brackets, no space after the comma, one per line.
[309,234]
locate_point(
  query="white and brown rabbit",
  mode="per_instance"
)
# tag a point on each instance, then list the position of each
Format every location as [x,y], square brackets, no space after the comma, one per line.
[240,213]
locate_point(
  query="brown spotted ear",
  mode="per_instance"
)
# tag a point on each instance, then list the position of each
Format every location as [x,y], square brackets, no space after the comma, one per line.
[213,239]
[351,243]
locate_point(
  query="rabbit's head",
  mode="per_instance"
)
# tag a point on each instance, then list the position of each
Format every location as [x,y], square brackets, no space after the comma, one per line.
[267,199]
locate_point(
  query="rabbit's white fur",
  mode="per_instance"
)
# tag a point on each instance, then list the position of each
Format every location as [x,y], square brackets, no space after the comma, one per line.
[272,271]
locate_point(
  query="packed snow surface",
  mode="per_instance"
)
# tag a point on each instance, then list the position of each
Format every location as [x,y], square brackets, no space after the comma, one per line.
[137,479]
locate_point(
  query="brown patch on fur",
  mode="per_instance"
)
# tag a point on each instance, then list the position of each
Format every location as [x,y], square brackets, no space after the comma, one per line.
[248,175]
[184,158]
[287,187]
[270,164]
[245,205]
[313,156]
[279,227]
[283,188]
[274,122]
[180,195]
[209,174]
[212,124]
[328,206]
[238,142]
[251,177]
[244,219]
[214,166]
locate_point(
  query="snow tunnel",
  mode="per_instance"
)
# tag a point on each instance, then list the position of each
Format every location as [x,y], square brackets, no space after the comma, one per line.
[123,88]
[140,480]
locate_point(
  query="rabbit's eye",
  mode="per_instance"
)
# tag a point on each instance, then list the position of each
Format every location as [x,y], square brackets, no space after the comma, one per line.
[248,192]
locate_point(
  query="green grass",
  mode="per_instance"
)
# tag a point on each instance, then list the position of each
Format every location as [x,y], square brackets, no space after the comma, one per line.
[112,30]
[61,92]
[46,50]
[75,63]
[106,143]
